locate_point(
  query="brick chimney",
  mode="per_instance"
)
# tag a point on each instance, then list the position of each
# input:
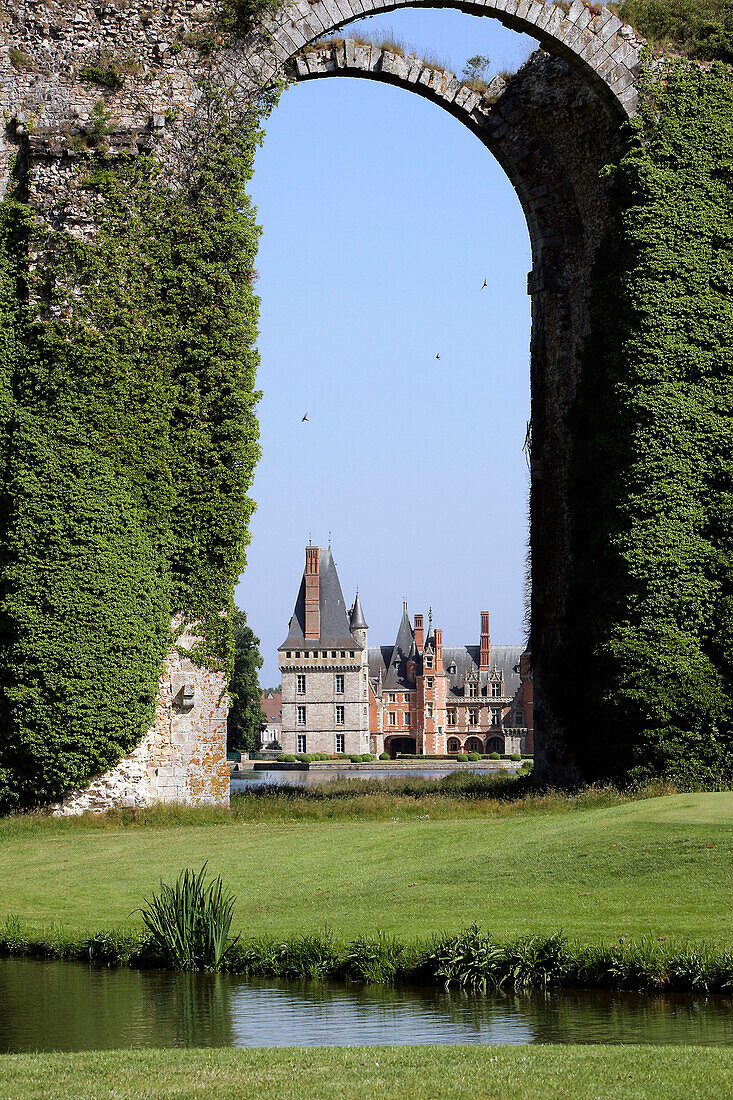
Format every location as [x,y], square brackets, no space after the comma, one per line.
[419,633]
[438,650]
[485,660]
[312,593]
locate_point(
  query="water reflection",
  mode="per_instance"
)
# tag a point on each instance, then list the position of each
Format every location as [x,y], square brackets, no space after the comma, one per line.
[301,777]
[66,1006]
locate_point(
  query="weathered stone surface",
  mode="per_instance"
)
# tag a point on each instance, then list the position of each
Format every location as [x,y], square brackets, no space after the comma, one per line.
[182,757]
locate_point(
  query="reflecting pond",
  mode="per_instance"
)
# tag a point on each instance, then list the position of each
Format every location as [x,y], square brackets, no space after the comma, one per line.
[313,777]
[68,1006]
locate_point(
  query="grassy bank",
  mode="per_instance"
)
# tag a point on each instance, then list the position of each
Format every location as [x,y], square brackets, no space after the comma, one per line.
[657,867]
[471,960]
[392,1073]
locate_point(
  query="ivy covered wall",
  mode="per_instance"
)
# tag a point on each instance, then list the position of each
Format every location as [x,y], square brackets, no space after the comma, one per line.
[129,438]
[651,635]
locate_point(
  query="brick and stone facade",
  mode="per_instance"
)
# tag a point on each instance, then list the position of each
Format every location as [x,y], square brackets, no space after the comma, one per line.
[340,695]
[432,699]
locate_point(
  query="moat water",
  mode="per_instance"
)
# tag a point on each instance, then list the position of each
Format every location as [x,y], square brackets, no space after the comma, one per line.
[69,1006]
[303,777]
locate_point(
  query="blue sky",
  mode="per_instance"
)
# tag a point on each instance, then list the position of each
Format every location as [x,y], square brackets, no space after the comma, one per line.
[382,216]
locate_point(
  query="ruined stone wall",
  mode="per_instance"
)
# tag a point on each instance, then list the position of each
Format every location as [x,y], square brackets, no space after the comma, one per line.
[183,755]
[552,128]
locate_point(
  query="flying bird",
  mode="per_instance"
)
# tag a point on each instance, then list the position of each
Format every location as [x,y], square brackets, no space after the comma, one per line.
[437,357]
[305,418]
[485,284]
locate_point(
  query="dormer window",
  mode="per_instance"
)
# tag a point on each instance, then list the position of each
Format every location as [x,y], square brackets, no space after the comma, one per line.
[452,669]
[428,662]
[472,691]
[496,689]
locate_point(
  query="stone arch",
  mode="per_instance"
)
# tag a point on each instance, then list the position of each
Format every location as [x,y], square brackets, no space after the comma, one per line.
[497,118]
[552,135]
[595,43]
[552,128]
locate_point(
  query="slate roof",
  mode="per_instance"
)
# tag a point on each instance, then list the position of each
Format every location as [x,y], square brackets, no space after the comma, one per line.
[335,630]
[357,621]
[504,658]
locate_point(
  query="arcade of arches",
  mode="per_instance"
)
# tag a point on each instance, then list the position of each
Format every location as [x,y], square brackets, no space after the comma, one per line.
[102,100]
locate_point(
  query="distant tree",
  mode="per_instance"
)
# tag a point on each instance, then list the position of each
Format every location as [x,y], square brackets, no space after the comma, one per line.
[474,71]
[246,717]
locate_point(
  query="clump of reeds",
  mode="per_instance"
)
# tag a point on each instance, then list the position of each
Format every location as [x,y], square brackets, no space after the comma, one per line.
[189,922]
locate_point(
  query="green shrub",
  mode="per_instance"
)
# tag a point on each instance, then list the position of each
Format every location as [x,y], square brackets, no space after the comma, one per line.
[377,961]
[190,921]
[473,756]
[366,757]
[384,756]
[355,759]
[287,758]
[494,756]
[703,29]
[470,960]
[516,756]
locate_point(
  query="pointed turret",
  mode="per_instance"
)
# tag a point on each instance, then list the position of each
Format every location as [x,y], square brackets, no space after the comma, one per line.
[357,622]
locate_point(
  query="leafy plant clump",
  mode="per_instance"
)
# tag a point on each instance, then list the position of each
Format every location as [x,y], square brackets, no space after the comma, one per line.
[701,29]
[189,922]
[652,494]
[128,439]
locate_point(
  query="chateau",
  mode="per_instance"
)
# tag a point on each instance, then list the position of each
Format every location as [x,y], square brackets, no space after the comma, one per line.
[416,696]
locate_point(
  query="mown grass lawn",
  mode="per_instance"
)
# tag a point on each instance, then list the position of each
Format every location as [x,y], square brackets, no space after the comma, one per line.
[392,1073]
[659,867]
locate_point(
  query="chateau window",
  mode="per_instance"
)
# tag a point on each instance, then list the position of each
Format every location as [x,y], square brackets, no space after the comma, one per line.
[300,683]
[392,697]
[302,743]
[495,716]
[333,653]
[473,716]
[339,683]
[428,710]
[301,715]
[340,742]
[297,653]
[429,681]
[451,716]
[393,718]
[288,654]
[428,662]
[351,653]
[366,712]
[339,715]
[343,652]
[472,691]
[496,689]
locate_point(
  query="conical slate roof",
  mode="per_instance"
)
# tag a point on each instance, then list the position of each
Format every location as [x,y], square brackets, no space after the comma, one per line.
[357,621]
[404,647]
[335,629]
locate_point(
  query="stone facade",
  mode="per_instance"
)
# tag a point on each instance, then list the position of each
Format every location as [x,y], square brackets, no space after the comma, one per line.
[324,667]
[183,755]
